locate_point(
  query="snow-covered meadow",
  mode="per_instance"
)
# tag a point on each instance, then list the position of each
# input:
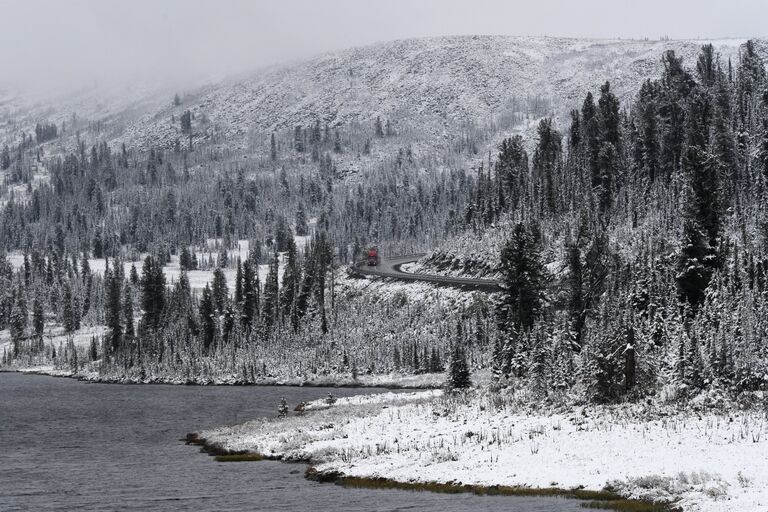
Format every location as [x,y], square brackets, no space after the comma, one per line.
[54,332]
[702,459]
[197,278]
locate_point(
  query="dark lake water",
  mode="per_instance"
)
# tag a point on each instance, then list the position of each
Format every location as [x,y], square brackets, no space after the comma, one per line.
[70,445]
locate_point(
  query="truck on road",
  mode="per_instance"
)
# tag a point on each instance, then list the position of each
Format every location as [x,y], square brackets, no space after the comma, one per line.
[373,257]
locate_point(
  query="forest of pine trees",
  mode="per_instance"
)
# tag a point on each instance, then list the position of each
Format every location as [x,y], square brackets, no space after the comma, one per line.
[653,224]
[632,249]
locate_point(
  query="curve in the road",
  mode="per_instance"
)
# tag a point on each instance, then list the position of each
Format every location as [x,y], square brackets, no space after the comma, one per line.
[390,268]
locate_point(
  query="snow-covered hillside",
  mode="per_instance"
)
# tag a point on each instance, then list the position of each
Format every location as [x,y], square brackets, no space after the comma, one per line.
[444,80]
[99,112]
[463,78]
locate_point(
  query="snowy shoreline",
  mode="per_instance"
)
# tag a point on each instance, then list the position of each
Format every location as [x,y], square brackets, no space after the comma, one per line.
[697,459]
[392,381]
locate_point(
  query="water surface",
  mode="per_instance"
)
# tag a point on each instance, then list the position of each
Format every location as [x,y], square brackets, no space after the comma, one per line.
[66,445]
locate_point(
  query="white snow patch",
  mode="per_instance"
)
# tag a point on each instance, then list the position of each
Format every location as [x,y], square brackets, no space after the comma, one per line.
[713,462]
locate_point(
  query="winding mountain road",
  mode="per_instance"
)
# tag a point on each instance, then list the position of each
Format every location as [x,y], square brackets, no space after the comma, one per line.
[390,268]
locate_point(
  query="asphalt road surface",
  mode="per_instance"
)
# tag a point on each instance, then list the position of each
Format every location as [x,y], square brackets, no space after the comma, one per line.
[390,268]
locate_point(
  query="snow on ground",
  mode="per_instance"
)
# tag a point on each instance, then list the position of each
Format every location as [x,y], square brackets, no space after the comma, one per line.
[444,298]
[410,268]
[20,191]
[412,80]
[711,461]
[54,334]
[419,83]
[90,372]
[197,278]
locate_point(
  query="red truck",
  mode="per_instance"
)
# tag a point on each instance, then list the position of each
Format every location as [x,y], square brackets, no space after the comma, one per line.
[373,257]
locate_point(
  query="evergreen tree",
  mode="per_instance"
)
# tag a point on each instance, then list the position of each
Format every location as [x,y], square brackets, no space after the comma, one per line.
[706,66]
[512,170]
[185,259]
[228,324]
[128,313]
[302,229]
[609,120]
[522,296]
[98,245]
[750,84]
[38,316]
[762,155]
[695,268]
[272,148]
[298,139]
[5,158]
[208,318]
[591,137]
[291,280]
[113,285]
[703,198]
[239,284]
[701,226]
[675,86]
[307,286]
[630,362]
[250,294]
[222,260]
[93,352]
[219,290]
[152,292]
[458,370]
[648,144]
[283,234]
[546,162]
[576,302]
[18,323]
[271,305]
[523,280]
[323,262]
[604,144]
[574,135]
[186,123]
[607,168]
[70,316]
[723,141]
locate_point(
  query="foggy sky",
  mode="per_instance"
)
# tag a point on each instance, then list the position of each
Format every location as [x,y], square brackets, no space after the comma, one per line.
[61,44]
